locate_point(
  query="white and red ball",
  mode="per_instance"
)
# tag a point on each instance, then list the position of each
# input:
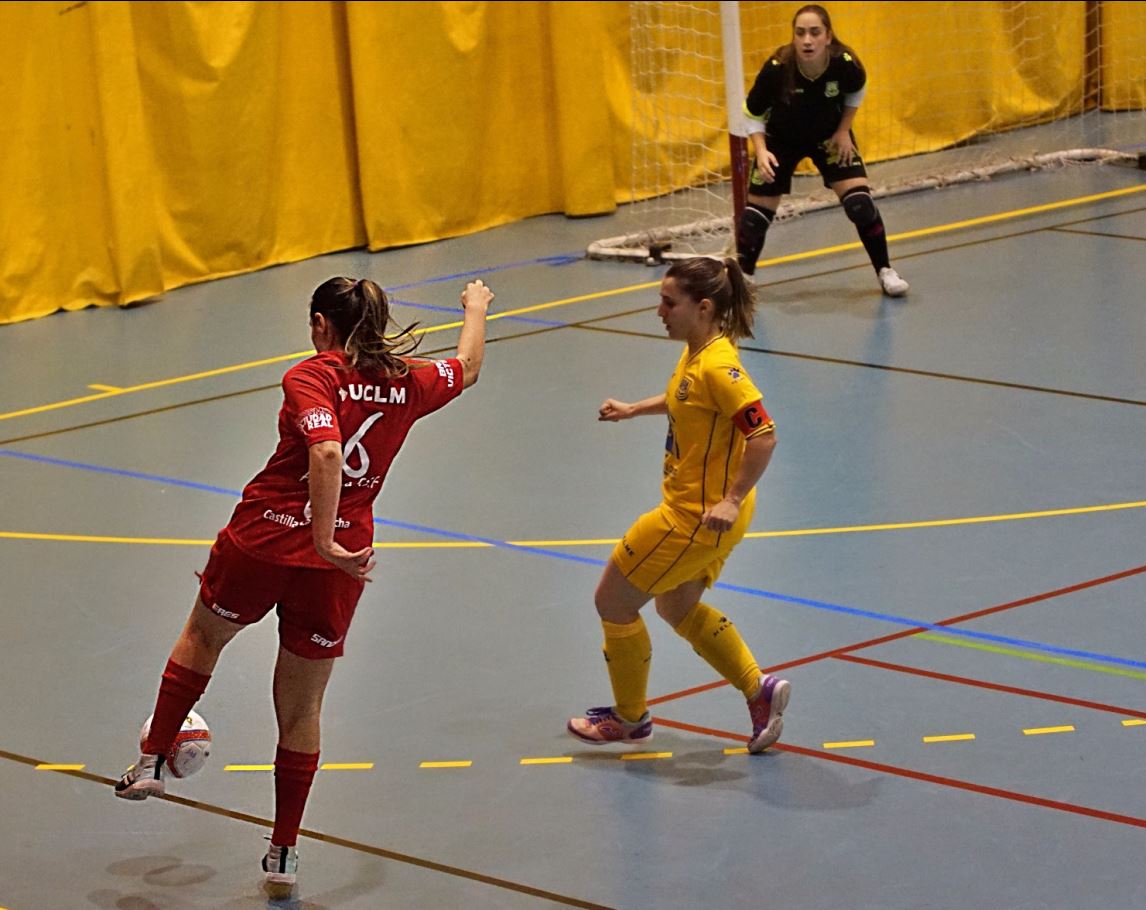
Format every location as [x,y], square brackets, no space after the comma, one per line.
[188,754]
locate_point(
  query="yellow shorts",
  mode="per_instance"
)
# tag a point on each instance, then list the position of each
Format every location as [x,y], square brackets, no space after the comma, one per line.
[657,557]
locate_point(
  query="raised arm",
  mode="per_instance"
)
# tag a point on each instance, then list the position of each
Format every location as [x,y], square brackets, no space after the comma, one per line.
[471,343]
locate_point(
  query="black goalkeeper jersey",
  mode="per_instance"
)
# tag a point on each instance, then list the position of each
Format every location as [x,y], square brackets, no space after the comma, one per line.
[813,111]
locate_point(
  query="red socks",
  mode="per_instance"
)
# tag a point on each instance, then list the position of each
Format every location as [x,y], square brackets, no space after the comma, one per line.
[178,692]
[294,772]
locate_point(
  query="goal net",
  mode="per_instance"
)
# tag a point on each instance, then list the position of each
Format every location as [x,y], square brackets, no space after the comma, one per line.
[956,92]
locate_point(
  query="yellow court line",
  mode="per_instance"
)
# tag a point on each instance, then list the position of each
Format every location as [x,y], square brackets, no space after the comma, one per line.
[949,738]
[811,254]
[644,756]
[47,766]
[90,538]
[1134,722]
[445,764]
[248,767]
[853,744]
[346,766]
[950,522]
[477,544]
[1039,731]
[743,750]
[560,760]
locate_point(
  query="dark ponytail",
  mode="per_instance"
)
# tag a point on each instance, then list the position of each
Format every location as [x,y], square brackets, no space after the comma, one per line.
[360,313]
[722,282]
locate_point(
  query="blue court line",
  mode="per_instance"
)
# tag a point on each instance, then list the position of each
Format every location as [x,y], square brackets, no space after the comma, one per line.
[457,312]
[562,259]
[557,554]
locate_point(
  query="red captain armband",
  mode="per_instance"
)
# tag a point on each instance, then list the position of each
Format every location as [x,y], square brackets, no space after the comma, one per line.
[753,419]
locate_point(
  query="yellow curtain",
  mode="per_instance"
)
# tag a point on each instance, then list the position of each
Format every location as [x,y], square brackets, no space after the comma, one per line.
[148,145]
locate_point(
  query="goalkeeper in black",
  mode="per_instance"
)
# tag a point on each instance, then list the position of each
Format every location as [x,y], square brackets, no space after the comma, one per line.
[802,106]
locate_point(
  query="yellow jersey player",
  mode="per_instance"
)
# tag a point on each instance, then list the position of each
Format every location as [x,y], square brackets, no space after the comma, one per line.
[720,440]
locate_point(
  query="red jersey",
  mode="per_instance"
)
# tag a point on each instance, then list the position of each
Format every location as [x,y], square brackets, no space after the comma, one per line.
[369,415]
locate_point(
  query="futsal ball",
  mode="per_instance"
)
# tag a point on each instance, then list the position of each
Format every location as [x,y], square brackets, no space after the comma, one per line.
[188,754]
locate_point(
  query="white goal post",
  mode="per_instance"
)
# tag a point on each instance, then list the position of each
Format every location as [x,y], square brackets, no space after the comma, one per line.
[956,92]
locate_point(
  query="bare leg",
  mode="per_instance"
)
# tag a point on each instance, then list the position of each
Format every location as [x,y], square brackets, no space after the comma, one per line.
[299,687]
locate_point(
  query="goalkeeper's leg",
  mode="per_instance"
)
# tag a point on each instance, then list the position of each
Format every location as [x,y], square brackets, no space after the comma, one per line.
[752,228]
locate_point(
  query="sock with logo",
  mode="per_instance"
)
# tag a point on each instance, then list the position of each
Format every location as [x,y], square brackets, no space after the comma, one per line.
[714,637]
[294,773]
[628,653]
[179,689]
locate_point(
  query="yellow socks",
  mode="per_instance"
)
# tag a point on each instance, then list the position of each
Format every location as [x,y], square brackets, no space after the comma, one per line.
[627,654]
[714,637]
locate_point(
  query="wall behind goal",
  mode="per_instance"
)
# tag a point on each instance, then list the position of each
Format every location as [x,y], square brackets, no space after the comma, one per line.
[151,145]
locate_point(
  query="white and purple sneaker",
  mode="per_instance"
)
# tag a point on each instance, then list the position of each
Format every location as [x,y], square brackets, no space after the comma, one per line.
[766,708]
[603,725]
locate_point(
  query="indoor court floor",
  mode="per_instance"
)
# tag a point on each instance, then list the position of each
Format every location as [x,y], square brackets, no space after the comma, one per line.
[946,562]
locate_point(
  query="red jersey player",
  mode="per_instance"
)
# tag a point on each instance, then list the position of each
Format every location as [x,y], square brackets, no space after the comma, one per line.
[300,539]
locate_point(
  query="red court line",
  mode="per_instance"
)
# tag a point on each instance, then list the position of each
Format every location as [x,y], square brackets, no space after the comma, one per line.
[895,636]
[981,684]
[950,782]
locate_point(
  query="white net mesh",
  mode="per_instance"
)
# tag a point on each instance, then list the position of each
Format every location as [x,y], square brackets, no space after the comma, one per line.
[956,92]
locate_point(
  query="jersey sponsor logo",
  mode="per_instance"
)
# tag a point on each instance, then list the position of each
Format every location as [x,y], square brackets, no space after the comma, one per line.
[325,642]
[357,391]
[226,614]
[315,419]
[831,89]
[445,371]
[287,521]
[682,389]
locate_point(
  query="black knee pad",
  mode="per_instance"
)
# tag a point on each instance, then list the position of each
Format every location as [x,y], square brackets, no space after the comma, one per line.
[860,207]
[750,232]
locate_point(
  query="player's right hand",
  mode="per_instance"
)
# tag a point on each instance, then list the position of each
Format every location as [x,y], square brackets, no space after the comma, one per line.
[766,164]
[614,410]
[476,294]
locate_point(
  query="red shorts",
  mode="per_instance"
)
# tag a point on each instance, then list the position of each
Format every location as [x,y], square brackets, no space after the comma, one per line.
[315,606]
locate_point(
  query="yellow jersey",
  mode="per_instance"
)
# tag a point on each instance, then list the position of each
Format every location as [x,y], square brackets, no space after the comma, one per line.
[707,397]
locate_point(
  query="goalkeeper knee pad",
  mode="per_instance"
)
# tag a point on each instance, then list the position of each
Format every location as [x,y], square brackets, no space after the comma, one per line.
[860,207]
[750,233]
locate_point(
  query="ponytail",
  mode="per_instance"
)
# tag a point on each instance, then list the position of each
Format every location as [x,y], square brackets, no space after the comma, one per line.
[360,313]
[722,282]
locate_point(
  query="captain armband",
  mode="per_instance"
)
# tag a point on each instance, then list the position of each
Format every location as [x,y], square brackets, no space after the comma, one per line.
[753,420]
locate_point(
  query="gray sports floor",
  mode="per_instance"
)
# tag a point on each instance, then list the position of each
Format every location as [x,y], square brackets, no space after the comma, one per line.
[948,543]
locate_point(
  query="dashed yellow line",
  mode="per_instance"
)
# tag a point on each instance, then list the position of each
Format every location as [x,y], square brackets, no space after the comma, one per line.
[248,767]
[346,766]
[1039,731]
[851,744]
[644,756]
[445,764]
[1134,722]
[48,766]
[949,738]
[743,750]
[557,760]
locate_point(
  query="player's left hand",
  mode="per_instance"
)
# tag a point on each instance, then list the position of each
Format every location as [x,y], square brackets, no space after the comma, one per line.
[845,148]
[721,516]
[357,565]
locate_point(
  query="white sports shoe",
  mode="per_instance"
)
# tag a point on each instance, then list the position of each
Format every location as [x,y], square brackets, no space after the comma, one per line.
[892,284]
[281,866]
[147,777]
